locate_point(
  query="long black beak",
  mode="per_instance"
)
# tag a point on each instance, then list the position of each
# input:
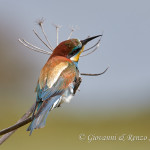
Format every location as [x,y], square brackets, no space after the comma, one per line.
[88,39]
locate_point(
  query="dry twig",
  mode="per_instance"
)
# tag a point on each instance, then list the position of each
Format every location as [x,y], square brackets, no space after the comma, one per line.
[41,25]
[91,51]
[32,47]
[42,40]
[71,32]
[21,122]
[26,117]
[57,32]
[96,74]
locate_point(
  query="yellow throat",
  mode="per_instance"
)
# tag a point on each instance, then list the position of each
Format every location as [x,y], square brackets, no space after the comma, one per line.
[76,57]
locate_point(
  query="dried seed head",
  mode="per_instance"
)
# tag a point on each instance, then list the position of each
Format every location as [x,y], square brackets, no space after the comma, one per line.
[40,21]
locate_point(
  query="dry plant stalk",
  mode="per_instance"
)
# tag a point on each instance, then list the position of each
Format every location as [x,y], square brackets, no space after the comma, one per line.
[25,119]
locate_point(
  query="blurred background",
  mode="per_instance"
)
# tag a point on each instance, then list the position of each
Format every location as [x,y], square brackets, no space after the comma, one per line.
[115,103]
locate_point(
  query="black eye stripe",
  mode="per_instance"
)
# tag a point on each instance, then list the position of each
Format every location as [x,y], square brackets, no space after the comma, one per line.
[75,51]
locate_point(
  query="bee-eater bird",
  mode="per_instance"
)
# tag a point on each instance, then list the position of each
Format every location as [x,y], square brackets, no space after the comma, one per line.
[58,79]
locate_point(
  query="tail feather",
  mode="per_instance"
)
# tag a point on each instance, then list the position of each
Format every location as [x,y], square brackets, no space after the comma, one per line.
[40,118]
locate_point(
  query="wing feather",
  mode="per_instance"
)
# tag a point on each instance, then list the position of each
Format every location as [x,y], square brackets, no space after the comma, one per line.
[55,77]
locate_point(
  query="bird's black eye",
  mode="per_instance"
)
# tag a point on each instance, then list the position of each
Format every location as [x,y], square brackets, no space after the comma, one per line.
[74,51]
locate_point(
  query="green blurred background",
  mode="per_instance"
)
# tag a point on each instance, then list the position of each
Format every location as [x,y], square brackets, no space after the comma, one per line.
[116,103]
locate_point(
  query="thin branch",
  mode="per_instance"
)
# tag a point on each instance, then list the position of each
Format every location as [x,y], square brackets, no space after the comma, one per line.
[57,32]
[97,74]
[33,48]
[42,40]
[16,126]
[51,48]
[9,131]
[91,51]
[24,42]
[57,36]
[71,32]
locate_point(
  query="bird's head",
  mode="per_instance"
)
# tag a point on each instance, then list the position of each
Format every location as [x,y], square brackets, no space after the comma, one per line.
[72,48]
